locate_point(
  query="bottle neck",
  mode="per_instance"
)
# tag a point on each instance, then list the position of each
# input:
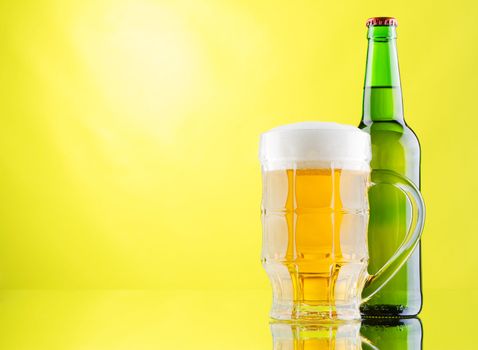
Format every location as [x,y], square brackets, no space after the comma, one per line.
[382,97]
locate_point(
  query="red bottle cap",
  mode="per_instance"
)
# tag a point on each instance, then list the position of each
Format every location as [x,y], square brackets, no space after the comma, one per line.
[382,21]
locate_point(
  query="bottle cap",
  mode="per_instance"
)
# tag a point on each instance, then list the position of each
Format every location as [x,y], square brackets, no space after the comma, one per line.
[382,21]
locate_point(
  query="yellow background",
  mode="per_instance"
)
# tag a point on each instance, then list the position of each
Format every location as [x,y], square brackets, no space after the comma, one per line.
[129,133]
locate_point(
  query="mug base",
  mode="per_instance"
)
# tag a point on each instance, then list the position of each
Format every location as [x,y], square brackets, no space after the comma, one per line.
[314,313]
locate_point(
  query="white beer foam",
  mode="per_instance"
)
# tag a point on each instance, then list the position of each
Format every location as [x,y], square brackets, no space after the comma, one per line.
[315,145]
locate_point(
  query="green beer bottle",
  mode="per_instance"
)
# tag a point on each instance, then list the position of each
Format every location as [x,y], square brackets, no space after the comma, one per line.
[394,147]
[392,334]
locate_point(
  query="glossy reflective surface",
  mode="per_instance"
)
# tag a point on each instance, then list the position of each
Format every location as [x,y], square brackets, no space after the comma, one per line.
[205,320]
[387,334]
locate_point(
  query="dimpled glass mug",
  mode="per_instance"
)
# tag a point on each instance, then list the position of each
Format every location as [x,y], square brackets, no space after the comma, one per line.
[316,178]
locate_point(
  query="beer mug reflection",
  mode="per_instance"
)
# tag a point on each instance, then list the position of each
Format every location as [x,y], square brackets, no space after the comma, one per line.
[369,335]
[345,335]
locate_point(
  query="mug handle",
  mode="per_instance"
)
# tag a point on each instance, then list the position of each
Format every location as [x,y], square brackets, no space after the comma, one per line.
[375,282]
[367,344]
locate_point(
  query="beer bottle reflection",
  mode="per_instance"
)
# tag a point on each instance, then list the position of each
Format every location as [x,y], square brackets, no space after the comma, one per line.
[392,334]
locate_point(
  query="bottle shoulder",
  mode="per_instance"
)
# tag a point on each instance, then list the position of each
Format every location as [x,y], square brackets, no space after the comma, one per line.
[394,146]
[392,132]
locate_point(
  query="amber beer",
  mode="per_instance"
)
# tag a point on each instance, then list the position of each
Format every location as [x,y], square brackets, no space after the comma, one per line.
[314,224]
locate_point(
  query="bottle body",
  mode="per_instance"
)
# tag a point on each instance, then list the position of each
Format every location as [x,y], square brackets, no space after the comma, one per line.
[394,147]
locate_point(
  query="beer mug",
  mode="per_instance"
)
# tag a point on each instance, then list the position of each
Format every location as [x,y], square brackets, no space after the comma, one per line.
[316,178]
